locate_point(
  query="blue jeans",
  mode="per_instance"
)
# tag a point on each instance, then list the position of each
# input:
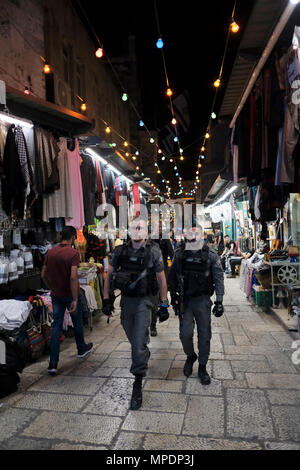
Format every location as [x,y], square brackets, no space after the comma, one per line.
[60,304]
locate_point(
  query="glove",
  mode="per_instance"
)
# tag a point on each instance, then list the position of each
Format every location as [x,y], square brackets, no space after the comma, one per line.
[107,307]
[163,313]
[218,309]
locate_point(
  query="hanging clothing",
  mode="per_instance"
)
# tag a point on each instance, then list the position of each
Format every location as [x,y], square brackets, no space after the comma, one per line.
[89,188]
[59,203]
[136,198]
[257,204]
[101,191]
[90,297]
[290,140]
[23,156]
[77,220]
[117,188]
[13,184]
[46,156]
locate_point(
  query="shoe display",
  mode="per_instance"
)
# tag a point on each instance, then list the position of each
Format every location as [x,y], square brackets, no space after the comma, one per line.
[88,349]
[203,375]
[52,369]
[137,397]
[188,366]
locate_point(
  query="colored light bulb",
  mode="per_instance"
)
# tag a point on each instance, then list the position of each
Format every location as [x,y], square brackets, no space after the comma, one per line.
[159,43]
[124,97]
[47,68]
[234,26]
[83,107]
[99,53]
[108,130]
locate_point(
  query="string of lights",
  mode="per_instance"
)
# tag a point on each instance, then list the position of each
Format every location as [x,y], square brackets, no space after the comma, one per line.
[171,158]
[233,28]
[169,93]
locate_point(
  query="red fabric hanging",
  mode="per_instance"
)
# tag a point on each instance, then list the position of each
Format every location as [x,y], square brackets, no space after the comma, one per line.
[136,199]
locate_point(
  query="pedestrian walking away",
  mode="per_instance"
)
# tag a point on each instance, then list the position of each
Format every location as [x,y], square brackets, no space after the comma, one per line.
[137,269]
[60,275]
[196,273]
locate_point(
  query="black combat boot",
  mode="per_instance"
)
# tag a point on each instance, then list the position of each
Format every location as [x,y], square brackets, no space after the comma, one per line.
[188,366]
[137,397]
[203,375]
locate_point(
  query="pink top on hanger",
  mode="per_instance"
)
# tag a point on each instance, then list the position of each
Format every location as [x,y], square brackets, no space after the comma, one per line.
[76,188]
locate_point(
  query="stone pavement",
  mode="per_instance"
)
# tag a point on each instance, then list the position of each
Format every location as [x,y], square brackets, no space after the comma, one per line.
[253,401]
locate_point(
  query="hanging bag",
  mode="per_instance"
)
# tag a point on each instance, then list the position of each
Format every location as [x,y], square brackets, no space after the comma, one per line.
[36,339]
[46,328]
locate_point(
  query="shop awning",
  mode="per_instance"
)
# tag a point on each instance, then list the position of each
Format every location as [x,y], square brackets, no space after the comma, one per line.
[262,22]
[114,158]
[46,114]
[219,186]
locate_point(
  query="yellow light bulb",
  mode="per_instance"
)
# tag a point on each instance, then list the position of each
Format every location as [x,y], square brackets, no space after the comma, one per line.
[217,83]
[133,158]
[158,171]
[127,154]
[107,130]
[207,135]
[182,157]
[169,92]
[83,107]
[47,68]
[202,149]
[126,143]
[234,26]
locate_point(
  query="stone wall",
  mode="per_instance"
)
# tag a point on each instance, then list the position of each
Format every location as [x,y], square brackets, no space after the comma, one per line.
[22,44]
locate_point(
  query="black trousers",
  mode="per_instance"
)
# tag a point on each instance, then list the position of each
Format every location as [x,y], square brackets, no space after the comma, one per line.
[234,261]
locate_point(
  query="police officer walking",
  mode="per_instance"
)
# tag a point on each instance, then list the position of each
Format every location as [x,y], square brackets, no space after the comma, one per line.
[195,274]
[137,269]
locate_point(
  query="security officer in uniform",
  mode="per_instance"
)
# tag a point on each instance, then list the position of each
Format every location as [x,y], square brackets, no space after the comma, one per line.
[195,274]
[135,269]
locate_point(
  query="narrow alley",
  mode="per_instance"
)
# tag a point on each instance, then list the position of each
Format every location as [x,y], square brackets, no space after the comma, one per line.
[252,403]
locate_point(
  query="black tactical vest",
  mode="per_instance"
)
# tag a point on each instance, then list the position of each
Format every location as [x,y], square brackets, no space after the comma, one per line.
[130,267]
[197,273]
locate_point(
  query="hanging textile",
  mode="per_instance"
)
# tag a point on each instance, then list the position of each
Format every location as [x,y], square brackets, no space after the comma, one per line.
[13,184]
[46,156]
[77,220]
[89,188]
[101,192]
[136,198]
[59,203]
[117,188]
